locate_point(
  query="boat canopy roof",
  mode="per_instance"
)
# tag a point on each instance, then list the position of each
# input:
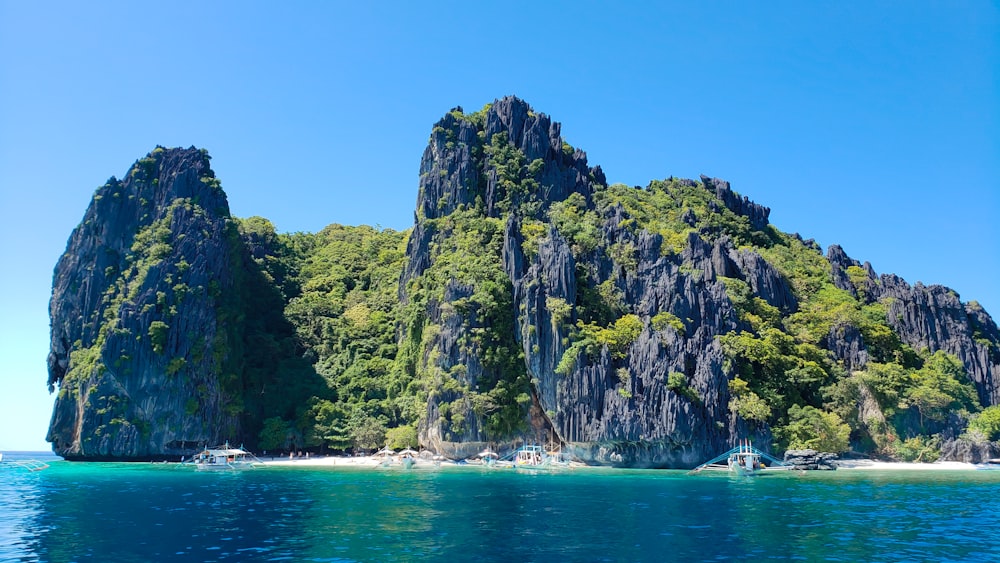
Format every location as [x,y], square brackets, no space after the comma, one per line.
[225,451]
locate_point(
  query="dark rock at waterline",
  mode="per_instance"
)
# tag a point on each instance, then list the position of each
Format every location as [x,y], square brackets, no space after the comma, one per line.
[968,451]
[811,460]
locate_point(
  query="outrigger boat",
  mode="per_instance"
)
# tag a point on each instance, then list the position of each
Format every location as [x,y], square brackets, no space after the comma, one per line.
[28,464]
[529,456]
[535,457]
[224,458]
[407,458]
[989,465]
[744,459]
[384,457]
[486,457]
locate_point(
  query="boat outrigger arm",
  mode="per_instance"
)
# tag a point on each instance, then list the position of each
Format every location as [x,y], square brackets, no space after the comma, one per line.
[29,464]
[721,462]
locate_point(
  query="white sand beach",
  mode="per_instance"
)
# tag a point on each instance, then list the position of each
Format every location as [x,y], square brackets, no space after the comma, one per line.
[339,461]
[867,464]
[850,465]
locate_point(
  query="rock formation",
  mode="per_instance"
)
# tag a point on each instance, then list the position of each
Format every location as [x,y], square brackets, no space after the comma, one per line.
[146,336]
[811,460]
[648,327]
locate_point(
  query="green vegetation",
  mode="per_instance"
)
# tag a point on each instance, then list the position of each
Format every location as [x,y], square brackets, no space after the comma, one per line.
[467,281]
[340,288]
[985,426]
[158,335]
[920,448]
[366,432]
[402,437]
[676,209]
[811,428]
[589,339]
[677,382]
[664,319]
[274,435]
[580,226]
[746,403]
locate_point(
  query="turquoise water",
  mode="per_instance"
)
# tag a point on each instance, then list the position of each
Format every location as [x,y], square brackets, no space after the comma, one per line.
[157,512]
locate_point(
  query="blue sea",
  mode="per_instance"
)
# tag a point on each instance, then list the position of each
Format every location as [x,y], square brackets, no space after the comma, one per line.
[162,512]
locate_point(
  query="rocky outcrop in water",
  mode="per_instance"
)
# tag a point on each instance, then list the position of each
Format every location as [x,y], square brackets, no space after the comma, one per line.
[968,451]
[811,460]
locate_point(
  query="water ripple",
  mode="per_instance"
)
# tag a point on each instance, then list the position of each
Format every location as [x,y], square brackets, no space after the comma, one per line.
[139,512]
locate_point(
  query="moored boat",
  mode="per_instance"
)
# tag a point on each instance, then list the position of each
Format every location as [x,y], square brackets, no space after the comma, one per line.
[224,458]
[488,457]
[989,465]
[529,456]
[744,459]
[384,457]
[535,457]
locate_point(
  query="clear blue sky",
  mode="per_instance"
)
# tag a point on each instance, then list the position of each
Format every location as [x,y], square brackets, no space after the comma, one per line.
[873,125]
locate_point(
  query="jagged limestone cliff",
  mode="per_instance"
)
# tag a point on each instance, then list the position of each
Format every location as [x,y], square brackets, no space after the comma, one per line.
[651,326]
[149,317]
[659,398]
[656,326]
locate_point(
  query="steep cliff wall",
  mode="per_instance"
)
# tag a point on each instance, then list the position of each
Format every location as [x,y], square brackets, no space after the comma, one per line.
[144,327]
[461,345]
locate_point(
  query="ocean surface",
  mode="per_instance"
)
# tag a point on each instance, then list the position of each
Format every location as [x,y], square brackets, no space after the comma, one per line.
[162,512]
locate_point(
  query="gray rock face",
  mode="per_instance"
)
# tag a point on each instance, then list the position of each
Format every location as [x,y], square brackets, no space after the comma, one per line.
[934,318]
[134,326]
[966,451]
[620,411]
[615,406]
[758,214]
[847,344]
[456,173]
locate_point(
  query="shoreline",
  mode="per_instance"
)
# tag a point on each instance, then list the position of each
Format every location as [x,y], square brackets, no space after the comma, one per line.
[370,462]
